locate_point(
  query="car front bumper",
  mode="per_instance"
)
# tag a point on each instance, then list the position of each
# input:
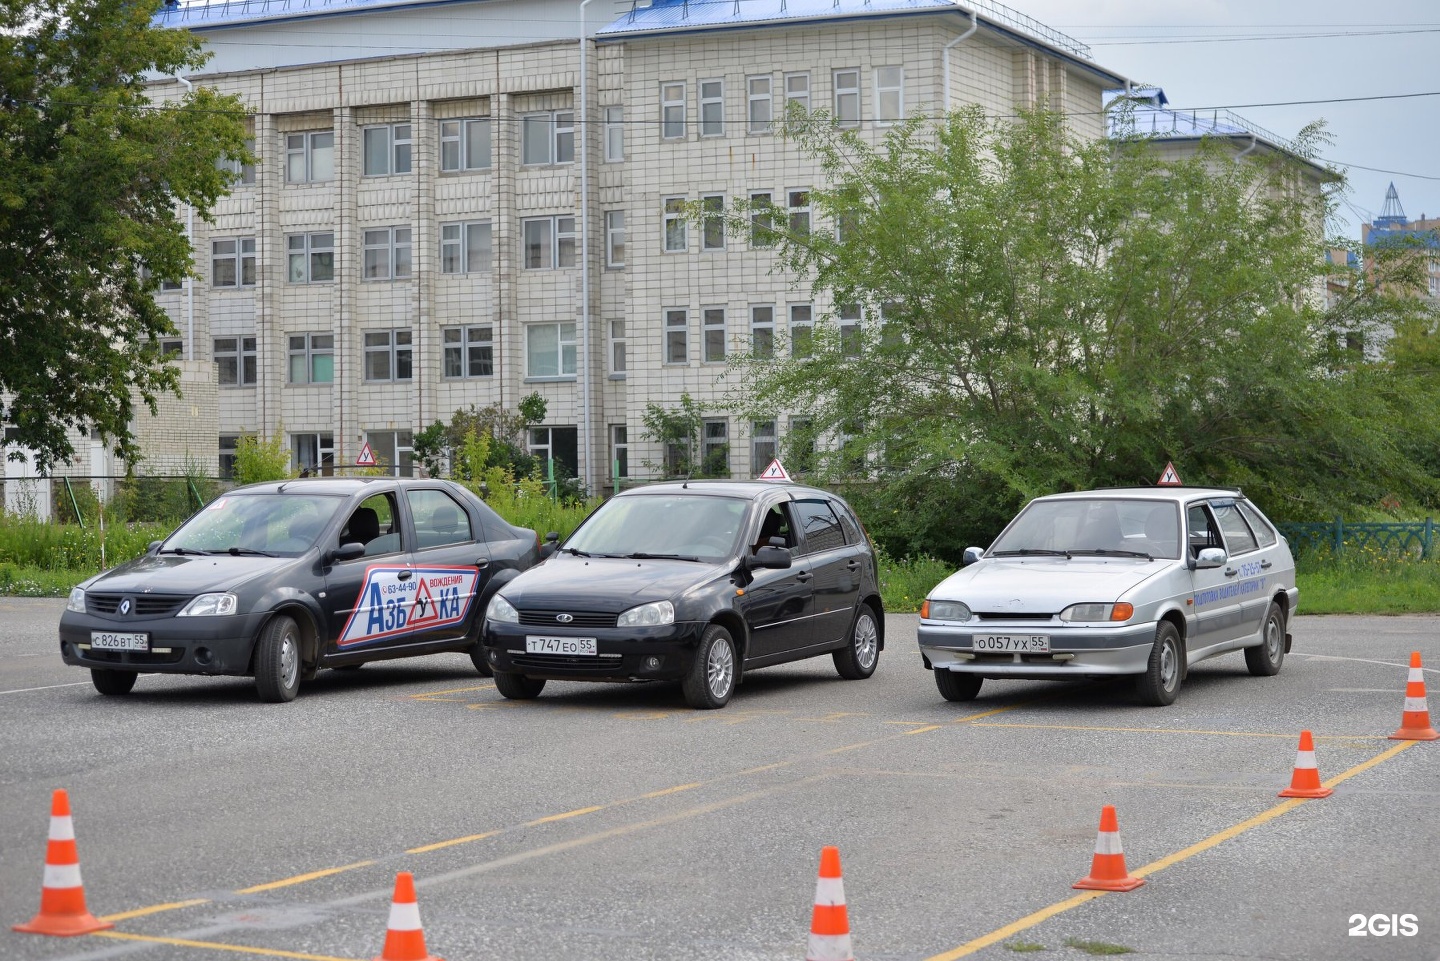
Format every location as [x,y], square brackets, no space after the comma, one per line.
[178,645]
[1081,651]
[622,654]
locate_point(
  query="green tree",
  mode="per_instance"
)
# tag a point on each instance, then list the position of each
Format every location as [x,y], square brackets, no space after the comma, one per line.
[259,460]
[91,174]
[679,432]
[1056,312]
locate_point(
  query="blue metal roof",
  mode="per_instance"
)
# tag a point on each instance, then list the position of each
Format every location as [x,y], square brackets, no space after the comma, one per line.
[200,14]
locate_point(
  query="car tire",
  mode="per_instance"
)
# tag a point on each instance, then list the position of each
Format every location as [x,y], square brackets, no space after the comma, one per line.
[1160,683]
[477,657]
[112,683]
[277,660]
[712,677]
[1265,658]
[518,687]
[858,659]
[957,687]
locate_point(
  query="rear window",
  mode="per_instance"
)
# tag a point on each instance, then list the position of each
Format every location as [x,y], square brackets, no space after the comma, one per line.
[821,526]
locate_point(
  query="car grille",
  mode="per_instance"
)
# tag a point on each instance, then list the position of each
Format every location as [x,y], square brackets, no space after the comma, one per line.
[565,662]
[1010,616]
[579,619]
[172,656]
[145,605]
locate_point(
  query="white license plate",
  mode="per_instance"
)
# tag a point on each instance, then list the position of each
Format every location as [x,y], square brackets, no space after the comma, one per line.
[575,646]
[109,641]
[1013,643]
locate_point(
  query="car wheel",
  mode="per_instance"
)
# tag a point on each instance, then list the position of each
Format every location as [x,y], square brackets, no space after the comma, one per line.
[857,660]
[1160,683]
[711,679]
[277,660]
[112,682]
[477,657]
[518,687]
[957,687]
[1265,658]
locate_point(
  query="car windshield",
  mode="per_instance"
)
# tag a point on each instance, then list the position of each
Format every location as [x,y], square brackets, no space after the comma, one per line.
[1096,526]
[693,526]
[274,524]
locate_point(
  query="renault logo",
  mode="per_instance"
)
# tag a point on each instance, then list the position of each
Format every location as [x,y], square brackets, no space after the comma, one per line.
[564,618]
[125,606]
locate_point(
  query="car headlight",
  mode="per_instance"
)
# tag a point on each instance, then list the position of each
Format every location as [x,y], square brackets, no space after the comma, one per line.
[77,601]
[501,611]
[944,611]
[1093,613]
[657,614]
[210,605]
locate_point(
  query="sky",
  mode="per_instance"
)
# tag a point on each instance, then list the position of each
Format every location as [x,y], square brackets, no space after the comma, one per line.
[1237,53]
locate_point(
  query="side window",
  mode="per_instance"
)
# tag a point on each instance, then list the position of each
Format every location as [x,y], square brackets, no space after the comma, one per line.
[373,524]
[776,523]
[853,534]
[1237,532]
[1203,532]
[821,526]
[438,519]
[1258,524]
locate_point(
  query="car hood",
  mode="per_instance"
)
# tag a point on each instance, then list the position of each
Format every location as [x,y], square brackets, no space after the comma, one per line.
[1045,585]
[185,574]
[604,584]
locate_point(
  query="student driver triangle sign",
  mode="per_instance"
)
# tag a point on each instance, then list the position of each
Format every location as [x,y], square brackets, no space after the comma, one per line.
[366,457]
[1168,477]
[774,472]
[424,607]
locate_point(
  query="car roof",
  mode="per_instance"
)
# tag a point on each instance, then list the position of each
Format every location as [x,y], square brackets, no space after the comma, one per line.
[1170,492]
[718,487]
[344,486]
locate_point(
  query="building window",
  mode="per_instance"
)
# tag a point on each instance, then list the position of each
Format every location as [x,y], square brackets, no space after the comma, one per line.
[464,144]
[759,108]
[617,349]
[172,347]
[314,453]
[762,219]
[802,331]
[614,134]
[800,445]
[847,97]
[615,239]
[387,355]
[147,275]
[672,111]
[799,201]
[549,242]
[677,336]
[547,138]
[712,232]
[762,332]
[387,253]
[558,444]
[676,241]
[232,262]
[619,450]
[712,335]
[762,444]
[712,108]
[465,248]
[310,157]
[311,258]
[312,358]
[227,455]
[715,435]
[889,94]
[235,361]
[468,351]
[394,450]
[386,150]
[243,174]
[550,350]
[851,332]
[797,90]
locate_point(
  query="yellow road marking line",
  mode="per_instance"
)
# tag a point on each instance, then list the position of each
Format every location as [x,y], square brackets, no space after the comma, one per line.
[765,767]
[154,909]
[302,878]
[568,814]
[672,790]
[922,730]
[453,690]
[1030,920]
[1162,730]
[218,946]
[424,848]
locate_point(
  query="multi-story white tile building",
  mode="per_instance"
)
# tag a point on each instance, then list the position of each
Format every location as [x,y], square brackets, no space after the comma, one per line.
[460,202]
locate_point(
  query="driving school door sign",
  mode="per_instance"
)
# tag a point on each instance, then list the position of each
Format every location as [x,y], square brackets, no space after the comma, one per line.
[395,601]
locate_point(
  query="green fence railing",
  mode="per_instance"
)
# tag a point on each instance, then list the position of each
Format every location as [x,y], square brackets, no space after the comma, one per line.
[1413,537]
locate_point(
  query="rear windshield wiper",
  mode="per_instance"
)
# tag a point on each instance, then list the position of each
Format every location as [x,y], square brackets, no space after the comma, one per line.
[1030,552]
[641,556]
[248,551]
[182,550]
[1104,552]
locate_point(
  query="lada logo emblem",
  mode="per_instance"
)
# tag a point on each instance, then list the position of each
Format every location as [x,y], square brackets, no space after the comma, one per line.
[564,618]
[125,606]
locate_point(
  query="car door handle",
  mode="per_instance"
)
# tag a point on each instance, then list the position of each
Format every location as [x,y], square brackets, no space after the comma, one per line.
[404,575]
[1266,565]
[482,563]
[853,565]
[803,577]
[1231,572]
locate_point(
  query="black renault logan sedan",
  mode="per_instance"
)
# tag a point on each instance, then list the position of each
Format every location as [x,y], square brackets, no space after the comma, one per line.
[698,581]
[278,580]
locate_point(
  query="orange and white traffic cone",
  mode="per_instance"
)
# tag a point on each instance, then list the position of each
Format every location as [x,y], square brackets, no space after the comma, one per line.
[404,940]
[829,924]
[1305,782]
[1415,721]
[62,896]
[1107,870]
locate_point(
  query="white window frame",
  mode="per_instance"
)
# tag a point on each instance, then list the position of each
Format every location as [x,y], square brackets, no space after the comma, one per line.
[846,85]
[557,249]
[398,147]
[763,444]
[762,220]
[797,90]
[672,110]
[244,174]
[240,351]
[322,444]
[388,248]
[676,343]
[617,352]
[240,258]
[759,106]
[614,134]
[798,211]
[309,248]
[889,85]
[712,335]
[304,150]
[396,347]
[559,138]
[711,438]
[311,350]
[712,226]
[711,94]
[762,318]
[470,346]
[400,444]
[456,135]
[615,239]
[675,237]
[565,352]
[802,318]
[619,450]
[851,321]
[466,247]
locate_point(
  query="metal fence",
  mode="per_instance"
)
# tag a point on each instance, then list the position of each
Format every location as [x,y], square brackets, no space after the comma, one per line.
[1413,538]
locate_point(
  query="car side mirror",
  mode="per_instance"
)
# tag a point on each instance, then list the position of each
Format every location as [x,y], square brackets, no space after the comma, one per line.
[773,558]
[347,552]
[153,546]
[1211,557]
[552,543]
[971,555]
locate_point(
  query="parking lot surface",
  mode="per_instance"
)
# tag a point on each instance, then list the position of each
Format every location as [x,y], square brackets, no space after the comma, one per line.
[612,822]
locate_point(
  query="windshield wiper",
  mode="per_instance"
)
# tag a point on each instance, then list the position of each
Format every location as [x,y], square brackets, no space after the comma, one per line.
[642,556]
[1031,551]
[182,550]
[574,550]
[1104,552]
[248,551]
